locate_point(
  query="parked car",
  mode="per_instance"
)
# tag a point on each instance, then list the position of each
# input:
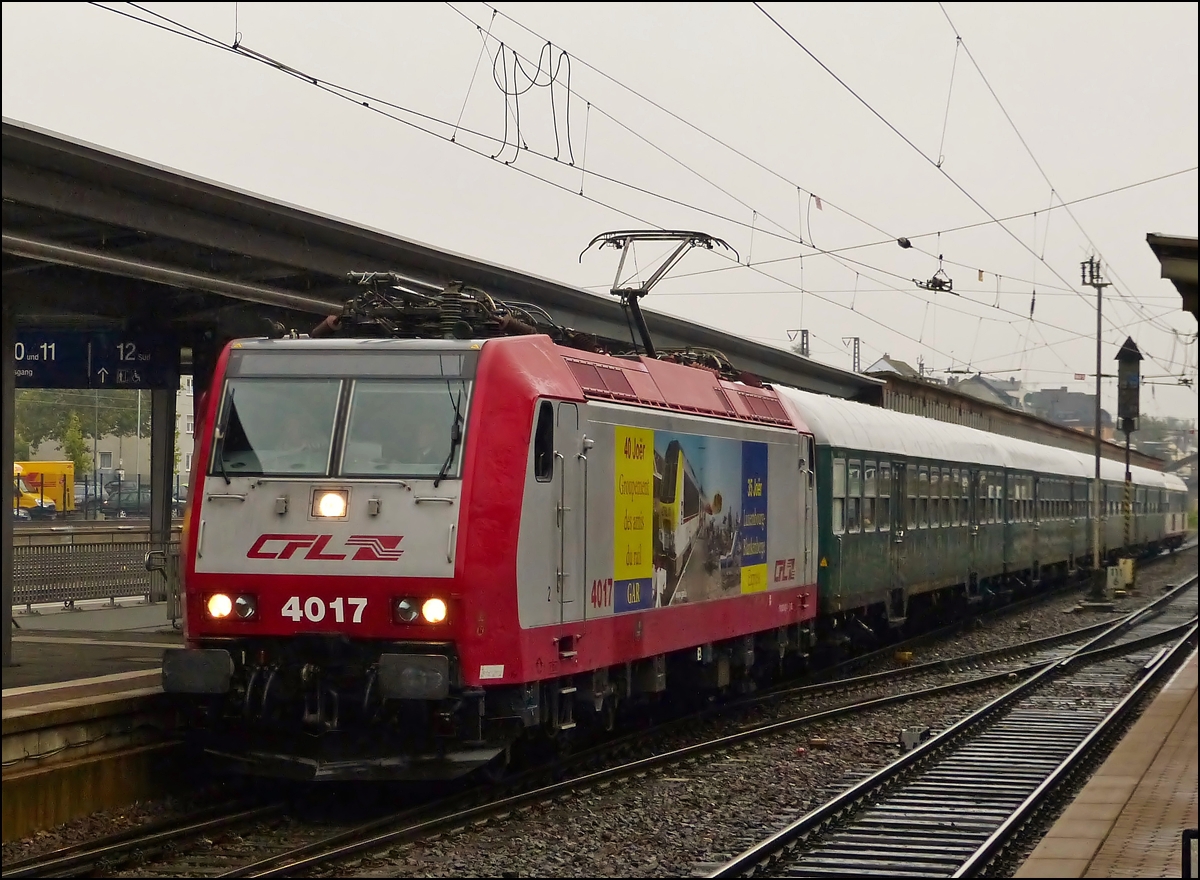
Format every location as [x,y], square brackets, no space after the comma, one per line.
[20,514]
[133,503]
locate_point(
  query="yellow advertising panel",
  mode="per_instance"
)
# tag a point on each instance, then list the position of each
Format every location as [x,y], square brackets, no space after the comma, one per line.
[633,513]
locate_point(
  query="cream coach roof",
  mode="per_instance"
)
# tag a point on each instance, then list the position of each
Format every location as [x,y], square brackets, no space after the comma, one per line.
[849,425]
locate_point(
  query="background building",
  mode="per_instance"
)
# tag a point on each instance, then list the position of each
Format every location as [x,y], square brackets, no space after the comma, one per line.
[128,458]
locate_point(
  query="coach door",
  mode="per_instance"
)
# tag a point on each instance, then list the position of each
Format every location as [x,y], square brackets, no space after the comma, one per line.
[899,523]
[1036,517]
[977,506]
[571,464]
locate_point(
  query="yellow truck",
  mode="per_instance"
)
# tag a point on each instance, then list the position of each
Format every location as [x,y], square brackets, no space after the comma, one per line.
[44,488]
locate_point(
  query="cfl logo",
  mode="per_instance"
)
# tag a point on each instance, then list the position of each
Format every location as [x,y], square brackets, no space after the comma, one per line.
[376,548]
[371,548]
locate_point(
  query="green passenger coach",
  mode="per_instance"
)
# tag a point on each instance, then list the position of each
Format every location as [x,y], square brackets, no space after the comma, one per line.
[913,512]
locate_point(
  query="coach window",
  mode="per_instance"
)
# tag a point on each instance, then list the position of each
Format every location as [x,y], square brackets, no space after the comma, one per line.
[945,496]
[883,515]
[910,488]
[923,498]
[839,495]
[853,495]
[543,444]
[870,489]
[934,494]
[955,499]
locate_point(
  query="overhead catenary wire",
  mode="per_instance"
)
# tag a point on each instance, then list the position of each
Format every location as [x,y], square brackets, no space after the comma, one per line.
[332,88]
[1024,143]
[810,201]
[918,150]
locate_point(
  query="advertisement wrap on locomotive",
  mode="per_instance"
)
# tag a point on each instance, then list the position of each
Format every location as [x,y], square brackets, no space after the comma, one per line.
[402,556]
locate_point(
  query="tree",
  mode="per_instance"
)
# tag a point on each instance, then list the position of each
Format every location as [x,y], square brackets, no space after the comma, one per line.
[74,446]
[42,413]
[20,448]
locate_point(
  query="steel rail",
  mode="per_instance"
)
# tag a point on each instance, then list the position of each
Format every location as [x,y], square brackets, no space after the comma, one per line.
[767,849]
[354,840]
[89,853]
[1000,837]
[71,859]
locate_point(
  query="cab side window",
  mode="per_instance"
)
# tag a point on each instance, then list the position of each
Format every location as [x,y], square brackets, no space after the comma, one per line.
[543,443]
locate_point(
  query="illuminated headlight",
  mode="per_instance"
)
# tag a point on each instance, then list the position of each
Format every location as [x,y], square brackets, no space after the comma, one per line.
[219,606]
[244,606]
[407,610]
[330,503]
[434,610]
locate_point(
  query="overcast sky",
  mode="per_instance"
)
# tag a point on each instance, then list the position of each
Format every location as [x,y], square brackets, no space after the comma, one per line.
[749,131]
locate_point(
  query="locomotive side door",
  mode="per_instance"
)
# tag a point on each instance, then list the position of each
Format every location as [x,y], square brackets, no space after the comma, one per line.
[808,528]
[571,516]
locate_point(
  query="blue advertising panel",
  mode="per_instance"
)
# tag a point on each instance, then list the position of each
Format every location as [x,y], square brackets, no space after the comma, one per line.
[754,517]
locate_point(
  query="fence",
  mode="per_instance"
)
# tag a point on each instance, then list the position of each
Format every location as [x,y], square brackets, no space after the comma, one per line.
[68,573]
[95,497]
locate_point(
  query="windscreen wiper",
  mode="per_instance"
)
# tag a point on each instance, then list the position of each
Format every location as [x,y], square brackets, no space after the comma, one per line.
[455,437]
[222,432]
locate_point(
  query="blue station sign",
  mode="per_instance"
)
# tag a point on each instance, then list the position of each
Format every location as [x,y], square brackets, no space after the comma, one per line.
[95,359]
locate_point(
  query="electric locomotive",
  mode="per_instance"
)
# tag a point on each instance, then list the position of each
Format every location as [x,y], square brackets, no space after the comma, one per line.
[404,555]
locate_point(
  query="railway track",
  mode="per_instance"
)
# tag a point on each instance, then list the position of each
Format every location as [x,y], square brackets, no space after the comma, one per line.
[89,855]
[273,840]
[953,804]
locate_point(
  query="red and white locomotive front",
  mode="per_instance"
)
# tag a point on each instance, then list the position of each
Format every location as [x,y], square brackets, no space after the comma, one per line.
[323,615]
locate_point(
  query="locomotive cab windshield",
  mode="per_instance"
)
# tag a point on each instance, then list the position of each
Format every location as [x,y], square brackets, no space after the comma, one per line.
[402,416]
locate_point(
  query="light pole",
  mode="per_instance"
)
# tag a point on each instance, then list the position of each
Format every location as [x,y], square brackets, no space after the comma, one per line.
[95,445]
[1128,408]
[1090,270]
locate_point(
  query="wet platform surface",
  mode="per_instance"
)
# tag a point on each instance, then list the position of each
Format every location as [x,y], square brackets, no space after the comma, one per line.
[1128,821]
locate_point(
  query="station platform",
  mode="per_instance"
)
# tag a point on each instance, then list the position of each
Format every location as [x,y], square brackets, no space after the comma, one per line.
[63,654]
[1128,821]
[86,726]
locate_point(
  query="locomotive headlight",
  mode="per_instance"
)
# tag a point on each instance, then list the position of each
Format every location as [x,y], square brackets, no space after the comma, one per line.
[219,606]
[331,503]
[434,610]
[245,605]
[407,610]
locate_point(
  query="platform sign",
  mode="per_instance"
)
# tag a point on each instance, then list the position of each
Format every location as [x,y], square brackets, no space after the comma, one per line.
[95,359]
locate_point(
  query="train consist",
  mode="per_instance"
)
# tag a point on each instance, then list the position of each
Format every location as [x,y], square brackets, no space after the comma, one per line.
[402,556]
